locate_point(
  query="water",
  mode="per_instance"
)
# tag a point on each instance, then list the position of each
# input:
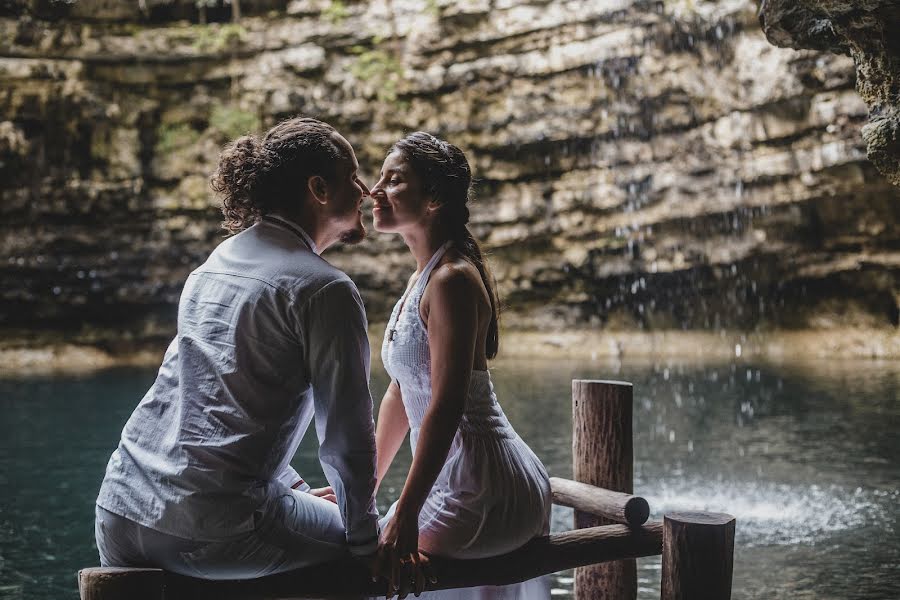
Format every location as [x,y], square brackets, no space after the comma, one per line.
[804,455]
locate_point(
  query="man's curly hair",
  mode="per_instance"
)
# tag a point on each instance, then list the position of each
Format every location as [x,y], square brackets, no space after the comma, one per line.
[261,175]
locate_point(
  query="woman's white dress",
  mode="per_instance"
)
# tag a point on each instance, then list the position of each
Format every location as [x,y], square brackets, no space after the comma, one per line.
[493,494]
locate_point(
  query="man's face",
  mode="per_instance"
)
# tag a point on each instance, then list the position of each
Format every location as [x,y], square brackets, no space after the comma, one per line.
[347,196]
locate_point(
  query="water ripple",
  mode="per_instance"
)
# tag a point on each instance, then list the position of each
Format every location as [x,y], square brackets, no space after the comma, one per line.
[779,514]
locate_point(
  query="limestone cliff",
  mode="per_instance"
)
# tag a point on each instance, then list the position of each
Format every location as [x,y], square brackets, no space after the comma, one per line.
[867,30]
[640,164]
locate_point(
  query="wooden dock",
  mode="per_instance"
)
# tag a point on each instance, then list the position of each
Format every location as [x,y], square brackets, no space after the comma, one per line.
[611,531]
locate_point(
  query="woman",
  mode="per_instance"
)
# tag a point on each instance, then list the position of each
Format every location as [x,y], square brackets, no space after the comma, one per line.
[474,489]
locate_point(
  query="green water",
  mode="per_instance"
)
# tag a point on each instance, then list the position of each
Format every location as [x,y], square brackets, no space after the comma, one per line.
[805,456]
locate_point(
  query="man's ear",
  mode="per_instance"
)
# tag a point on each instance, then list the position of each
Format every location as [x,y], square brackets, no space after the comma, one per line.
[318,188]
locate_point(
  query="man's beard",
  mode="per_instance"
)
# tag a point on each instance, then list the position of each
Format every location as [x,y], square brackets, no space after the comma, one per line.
[353,236]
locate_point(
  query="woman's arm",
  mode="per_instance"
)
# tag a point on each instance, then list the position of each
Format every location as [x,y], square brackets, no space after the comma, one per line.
[452,333]
[390,432]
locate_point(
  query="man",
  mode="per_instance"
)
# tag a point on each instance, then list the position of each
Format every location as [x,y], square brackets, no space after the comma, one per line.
[270,335]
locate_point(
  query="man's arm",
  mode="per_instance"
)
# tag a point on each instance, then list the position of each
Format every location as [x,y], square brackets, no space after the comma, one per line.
[337,350]
[291,478]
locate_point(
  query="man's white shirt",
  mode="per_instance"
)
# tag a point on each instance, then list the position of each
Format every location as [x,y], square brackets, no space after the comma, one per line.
[270,337]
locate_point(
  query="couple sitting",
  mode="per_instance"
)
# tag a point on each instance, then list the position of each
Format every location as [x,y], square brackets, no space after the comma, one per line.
[271,336]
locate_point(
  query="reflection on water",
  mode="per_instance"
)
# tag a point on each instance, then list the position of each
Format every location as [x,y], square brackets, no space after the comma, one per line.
[804,455]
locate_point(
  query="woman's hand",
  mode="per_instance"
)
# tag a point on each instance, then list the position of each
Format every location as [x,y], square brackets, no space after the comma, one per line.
[398,558]
[326,493]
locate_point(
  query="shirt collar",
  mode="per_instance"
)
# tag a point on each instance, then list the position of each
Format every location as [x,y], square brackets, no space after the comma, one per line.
[295,227]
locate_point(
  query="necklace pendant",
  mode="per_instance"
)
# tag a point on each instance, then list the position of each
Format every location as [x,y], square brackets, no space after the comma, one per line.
[391,335]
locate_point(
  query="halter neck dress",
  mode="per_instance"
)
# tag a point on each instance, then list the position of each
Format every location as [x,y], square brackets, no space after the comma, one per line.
[493,494]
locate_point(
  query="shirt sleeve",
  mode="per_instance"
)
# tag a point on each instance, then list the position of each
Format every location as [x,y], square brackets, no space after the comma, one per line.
[291,478]
[337,349]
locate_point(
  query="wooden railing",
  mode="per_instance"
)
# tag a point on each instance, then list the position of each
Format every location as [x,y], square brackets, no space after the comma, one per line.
[611,530]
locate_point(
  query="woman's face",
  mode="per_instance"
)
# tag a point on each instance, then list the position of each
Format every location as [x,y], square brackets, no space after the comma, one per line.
[400,200]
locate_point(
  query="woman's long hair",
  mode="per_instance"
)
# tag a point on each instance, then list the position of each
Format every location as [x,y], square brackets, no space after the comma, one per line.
[447,179]
[258,175]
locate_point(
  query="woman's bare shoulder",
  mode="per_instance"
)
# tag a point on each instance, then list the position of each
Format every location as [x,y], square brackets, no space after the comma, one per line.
[455,283]
[457,275]
[455,287]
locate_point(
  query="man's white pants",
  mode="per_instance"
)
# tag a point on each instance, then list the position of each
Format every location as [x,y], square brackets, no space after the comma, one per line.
[294,530]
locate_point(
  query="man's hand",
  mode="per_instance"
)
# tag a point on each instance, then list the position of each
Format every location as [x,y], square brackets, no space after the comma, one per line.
[325,493]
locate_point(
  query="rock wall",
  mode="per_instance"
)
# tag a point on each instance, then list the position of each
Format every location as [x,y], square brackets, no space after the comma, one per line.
[641,164]
[867,30]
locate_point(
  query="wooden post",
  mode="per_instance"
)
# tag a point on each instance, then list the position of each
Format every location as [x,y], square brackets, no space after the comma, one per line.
[113,583]
[602,455]
[698,556]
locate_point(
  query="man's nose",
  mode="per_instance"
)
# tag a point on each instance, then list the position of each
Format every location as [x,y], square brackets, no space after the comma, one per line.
[365,189]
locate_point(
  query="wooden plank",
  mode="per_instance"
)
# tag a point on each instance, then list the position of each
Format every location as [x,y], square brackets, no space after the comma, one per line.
[615,506]
[349,577]
[117,583]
